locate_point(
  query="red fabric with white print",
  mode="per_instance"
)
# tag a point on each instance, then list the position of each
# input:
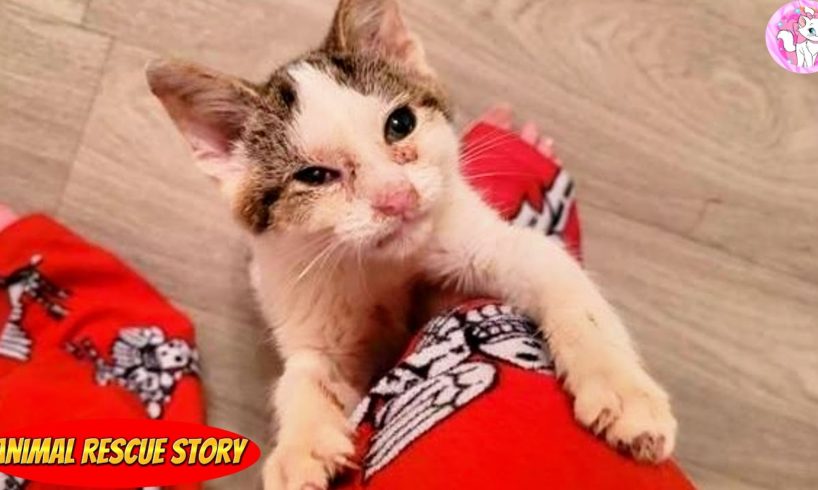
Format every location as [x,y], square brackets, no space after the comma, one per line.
[525,186]
[474,404]
[82,336]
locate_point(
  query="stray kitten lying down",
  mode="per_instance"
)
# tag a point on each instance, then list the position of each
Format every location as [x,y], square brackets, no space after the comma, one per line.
[344,166]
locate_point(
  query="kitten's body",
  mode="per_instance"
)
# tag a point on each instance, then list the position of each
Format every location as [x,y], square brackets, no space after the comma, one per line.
[353,312]
[344,165]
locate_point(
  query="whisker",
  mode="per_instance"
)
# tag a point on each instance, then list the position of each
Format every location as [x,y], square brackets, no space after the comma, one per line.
[503,174]
[361,273]
[481,147]
[488,140]
[478,155]
[324,252]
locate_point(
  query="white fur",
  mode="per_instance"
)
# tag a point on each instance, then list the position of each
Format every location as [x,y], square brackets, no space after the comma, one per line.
[343,320]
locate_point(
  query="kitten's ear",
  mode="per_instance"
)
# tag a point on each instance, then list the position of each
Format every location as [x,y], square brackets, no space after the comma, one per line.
[209,108]
[376,26]
[803,21]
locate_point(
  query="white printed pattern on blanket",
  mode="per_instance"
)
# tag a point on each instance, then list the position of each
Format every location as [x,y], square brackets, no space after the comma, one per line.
[451,366]
[557,202]
[23,286]
[145,363]
[8,482]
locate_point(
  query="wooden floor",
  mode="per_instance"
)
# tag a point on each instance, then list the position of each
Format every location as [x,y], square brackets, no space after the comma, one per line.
[696,158]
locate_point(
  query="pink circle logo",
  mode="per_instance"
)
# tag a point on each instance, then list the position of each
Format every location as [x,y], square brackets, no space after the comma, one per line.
[792,36]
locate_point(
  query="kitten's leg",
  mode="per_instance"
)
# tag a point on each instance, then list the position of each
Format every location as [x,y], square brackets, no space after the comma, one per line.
[314,436]
[613,393]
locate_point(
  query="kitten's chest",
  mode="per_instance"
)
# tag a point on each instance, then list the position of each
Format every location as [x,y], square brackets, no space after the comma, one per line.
[359,321]
[373,334]
[368,334]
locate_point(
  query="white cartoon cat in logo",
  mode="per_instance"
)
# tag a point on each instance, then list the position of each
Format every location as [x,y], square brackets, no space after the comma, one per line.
[802,38]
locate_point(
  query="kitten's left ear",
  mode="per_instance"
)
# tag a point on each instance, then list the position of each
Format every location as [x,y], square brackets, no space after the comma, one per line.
[209,108]
[376,26]
[803,21]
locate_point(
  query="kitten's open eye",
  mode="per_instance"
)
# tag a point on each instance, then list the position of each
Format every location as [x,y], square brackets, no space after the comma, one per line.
[400,124]
[812,30]
[317,175]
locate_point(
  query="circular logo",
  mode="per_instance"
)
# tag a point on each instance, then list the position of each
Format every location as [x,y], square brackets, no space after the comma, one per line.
[792,36]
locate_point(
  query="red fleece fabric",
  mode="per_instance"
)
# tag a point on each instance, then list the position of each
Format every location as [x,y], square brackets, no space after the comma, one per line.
[84,337]
[475,404]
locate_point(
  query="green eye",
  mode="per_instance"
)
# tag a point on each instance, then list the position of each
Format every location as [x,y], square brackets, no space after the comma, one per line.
[316,176]
[400,124]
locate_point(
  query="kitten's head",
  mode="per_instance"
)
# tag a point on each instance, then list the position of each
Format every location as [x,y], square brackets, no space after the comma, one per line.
[808,27]
[352,140]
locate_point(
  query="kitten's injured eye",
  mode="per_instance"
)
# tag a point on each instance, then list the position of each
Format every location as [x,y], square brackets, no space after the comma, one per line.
[317,175]
[400,124]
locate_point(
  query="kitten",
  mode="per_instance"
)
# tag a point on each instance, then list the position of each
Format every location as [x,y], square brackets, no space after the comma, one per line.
[344,168]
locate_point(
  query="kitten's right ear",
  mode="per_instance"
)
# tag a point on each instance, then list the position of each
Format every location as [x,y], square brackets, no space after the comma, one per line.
[209,108]
[376,26]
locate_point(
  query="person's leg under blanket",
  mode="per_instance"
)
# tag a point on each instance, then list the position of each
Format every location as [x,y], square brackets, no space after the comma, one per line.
[82,336]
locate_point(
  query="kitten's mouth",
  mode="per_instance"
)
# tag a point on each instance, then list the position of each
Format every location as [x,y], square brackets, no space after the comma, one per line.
[403,230]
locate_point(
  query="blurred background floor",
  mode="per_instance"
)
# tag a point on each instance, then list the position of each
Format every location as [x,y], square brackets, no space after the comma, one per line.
[696,158]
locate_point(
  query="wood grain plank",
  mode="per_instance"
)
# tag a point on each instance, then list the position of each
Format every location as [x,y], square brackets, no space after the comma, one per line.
[67,10]
[734,342]
[48,75]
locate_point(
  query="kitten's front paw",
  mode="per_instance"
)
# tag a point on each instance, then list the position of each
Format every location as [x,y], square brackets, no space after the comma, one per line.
[629,409]
[309,463]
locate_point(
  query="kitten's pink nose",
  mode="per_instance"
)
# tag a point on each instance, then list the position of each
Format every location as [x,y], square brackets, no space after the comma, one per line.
[399,200]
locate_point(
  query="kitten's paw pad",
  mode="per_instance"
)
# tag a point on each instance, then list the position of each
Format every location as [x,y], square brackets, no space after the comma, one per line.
[633,418]
[311,463]
[648,447]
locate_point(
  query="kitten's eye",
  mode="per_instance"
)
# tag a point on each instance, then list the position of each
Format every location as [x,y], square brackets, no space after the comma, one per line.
[400,124]
[317,175]
[812,30]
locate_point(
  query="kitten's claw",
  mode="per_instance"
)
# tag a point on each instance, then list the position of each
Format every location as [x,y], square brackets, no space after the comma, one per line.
[309,464]
[346,462]
[629,410]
